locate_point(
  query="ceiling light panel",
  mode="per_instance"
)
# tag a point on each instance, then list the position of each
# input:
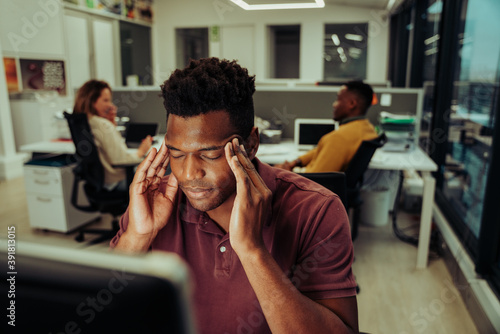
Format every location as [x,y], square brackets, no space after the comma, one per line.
[284,5]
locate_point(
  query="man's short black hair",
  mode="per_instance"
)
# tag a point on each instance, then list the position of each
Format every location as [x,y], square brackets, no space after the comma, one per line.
[212,84]
[363,91]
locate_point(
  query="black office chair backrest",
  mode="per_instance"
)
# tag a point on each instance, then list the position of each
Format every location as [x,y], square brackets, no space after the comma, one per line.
[89,167]
[359,163]
[334,181]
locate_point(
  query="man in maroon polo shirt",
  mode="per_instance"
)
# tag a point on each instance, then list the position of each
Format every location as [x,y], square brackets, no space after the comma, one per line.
[270,251]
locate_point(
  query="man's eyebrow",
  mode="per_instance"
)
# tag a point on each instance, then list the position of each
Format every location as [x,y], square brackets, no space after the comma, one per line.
[170,147]
[210,148]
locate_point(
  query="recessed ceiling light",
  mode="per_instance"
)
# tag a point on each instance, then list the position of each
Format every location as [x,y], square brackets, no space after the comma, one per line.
[354,37]
[335,39]
[245,6]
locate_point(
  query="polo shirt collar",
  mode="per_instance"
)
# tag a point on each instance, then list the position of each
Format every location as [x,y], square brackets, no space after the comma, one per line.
[191,215]
[350,119]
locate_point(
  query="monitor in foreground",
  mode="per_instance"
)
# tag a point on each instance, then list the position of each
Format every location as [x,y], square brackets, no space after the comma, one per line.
[60,290]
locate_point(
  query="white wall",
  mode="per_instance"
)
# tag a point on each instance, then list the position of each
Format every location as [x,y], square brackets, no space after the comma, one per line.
[10,162]
[28,29]
[171,14]
[32,28]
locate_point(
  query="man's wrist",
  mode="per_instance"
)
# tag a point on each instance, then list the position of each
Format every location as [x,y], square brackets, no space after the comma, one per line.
[253,255]
[135,243]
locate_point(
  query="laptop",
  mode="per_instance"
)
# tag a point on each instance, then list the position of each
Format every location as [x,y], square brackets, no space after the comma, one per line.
[308,131]
[136,132]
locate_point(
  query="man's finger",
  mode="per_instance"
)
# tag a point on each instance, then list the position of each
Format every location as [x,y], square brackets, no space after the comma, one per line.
[248,166]
[163,168]
[240,173]
[172,186]
[142,169]
[158,161]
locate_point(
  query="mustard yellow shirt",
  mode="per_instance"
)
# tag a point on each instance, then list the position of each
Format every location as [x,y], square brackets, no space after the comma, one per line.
[336,149]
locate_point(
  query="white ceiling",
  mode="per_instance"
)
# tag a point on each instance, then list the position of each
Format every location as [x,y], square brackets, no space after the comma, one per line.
[374,4]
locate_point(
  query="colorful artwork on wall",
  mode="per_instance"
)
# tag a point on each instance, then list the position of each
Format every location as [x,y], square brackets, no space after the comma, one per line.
[43,75]
[11,74]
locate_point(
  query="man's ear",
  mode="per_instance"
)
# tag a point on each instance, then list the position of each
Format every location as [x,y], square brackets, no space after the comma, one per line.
[353,102]
[252,143]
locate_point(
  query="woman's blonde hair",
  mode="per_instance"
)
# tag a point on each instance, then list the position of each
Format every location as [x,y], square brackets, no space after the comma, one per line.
[87,95]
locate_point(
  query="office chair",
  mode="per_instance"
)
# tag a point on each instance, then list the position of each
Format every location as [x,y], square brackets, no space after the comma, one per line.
[354,176]
[89,170]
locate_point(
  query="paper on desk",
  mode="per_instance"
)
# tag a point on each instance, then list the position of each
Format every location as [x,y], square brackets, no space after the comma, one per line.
[272,150]
[385,100]
[389,118]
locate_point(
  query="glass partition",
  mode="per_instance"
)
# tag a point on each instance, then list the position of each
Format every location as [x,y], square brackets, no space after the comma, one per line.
[472,112]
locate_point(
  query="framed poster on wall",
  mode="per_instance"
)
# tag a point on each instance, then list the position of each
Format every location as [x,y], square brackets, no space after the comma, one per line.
[39,74]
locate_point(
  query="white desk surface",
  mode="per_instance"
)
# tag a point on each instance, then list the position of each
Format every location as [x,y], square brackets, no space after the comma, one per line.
[66,146]
[62,147]
[415,159]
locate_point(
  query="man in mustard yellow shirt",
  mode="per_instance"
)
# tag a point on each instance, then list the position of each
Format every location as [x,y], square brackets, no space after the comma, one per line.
[336,149]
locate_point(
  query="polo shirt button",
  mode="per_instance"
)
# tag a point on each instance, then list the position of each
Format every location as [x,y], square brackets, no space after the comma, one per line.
[222,249]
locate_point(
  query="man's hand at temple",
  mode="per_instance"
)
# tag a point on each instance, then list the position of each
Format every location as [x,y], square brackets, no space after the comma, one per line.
[149,208]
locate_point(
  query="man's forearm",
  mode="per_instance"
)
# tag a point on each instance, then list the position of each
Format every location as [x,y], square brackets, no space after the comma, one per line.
[133,243]
[286,309]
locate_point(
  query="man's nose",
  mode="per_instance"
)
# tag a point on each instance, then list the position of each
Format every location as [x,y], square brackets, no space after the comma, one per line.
[192,168]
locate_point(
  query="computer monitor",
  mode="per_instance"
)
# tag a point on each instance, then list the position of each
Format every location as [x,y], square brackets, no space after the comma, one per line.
[60,290]
[136,132]
[308,131]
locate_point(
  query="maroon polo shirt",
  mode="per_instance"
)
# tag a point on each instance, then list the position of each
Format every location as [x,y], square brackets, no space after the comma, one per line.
[307,232]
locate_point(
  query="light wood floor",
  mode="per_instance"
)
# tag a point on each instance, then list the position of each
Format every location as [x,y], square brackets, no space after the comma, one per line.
[395,298]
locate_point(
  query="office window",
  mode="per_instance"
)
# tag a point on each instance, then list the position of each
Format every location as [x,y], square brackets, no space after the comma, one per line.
[472,113]
[431,37]
[285,51]
[345,51]
[399,44]
[135,44]
[190,43]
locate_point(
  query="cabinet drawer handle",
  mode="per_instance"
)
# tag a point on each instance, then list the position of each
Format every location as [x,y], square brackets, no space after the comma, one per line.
[41,172]
[42,182]
[42,199]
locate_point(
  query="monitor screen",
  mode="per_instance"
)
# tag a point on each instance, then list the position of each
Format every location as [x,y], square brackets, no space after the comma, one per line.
[136,132]
[308,131]
[61,290]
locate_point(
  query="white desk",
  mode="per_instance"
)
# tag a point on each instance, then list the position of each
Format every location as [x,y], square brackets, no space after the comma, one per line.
[52,147]
[66,147]
[416,160]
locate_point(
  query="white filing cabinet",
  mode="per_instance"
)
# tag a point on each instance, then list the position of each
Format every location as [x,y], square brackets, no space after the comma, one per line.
[48,190]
